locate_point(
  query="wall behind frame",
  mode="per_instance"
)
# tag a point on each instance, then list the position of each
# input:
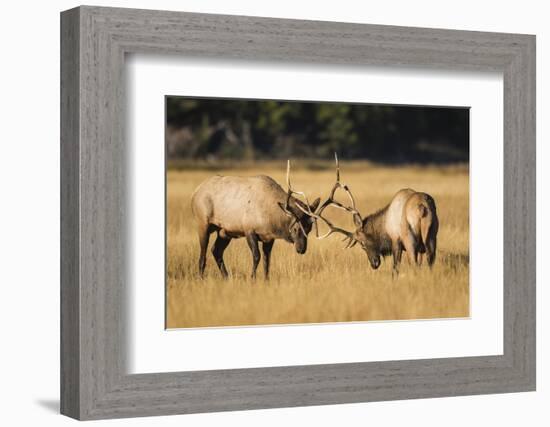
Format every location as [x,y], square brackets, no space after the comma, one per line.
[29,172]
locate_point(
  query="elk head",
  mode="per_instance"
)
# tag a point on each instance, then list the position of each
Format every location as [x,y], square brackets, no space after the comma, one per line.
[299,212]
[366,240]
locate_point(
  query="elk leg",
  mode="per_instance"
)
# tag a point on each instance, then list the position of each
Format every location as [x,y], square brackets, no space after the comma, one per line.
[431,245]
[429,236]
[420,251]
[410,248]
[397,251]
[252,240]
[204,236]
[217,251]
[266,249]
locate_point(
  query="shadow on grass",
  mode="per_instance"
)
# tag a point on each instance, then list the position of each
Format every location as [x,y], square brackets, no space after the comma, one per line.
[455,260]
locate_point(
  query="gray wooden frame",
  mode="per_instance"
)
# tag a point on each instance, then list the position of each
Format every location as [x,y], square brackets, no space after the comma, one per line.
[94,382]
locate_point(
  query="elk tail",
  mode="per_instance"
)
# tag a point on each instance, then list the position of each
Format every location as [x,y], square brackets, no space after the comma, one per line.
[425,222]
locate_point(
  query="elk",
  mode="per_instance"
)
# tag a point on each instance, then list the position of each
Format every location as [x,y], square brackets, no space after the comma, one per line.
[408,223]
[256,208]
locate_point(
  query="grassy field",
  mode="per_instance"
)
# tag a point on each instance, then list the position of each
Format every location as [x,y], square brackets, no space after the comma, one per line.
[328,283]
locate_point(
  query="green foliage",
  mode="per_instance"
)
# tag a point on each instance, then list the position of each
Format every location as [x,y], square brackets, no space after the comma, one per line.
[220,128]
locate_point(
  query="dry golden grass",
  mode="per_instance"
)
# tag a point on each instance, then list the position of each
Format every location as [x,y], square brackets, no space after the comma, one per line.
[328,283]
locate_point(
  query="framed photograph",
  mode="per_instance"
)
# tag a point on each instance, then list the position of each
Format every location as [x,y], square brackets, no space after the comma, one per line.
[261,213]
[226,170]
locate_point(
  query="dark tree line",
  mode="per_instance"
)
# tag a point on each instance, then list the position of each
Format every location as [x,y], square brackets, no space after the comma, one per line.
[242,129]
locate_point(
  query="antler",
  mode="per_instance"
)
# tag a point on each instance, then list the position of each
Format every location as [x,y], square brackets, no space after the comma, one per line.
[290,192]
[332,202]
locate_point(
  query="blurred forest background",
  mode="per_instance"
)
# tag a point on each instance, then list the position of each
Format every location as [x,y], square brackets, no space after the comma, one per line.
[233,129]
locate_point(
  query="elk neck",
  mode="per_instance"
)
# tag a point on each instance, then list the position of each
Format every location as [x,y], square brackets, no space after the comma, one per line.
[375,227]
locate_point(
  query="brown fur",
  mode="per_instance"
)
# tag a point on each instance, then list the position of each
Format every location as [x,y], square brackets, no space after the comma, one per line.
[249,207]
[409,222]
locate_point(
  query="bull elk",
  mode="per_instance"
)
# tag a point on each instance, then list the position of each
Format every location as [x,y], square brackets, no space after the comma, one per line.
[409,222]
[256,208]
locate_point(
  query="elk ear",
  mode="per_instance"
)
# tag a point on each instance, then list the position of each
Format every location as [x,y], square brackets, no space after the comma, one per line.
[315,204]
[357,220]
[285,210]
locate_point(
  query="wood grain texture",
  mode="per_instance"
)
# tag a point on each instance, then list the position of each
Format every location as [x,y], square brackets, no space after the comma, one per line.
[95,274]
[70,221]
